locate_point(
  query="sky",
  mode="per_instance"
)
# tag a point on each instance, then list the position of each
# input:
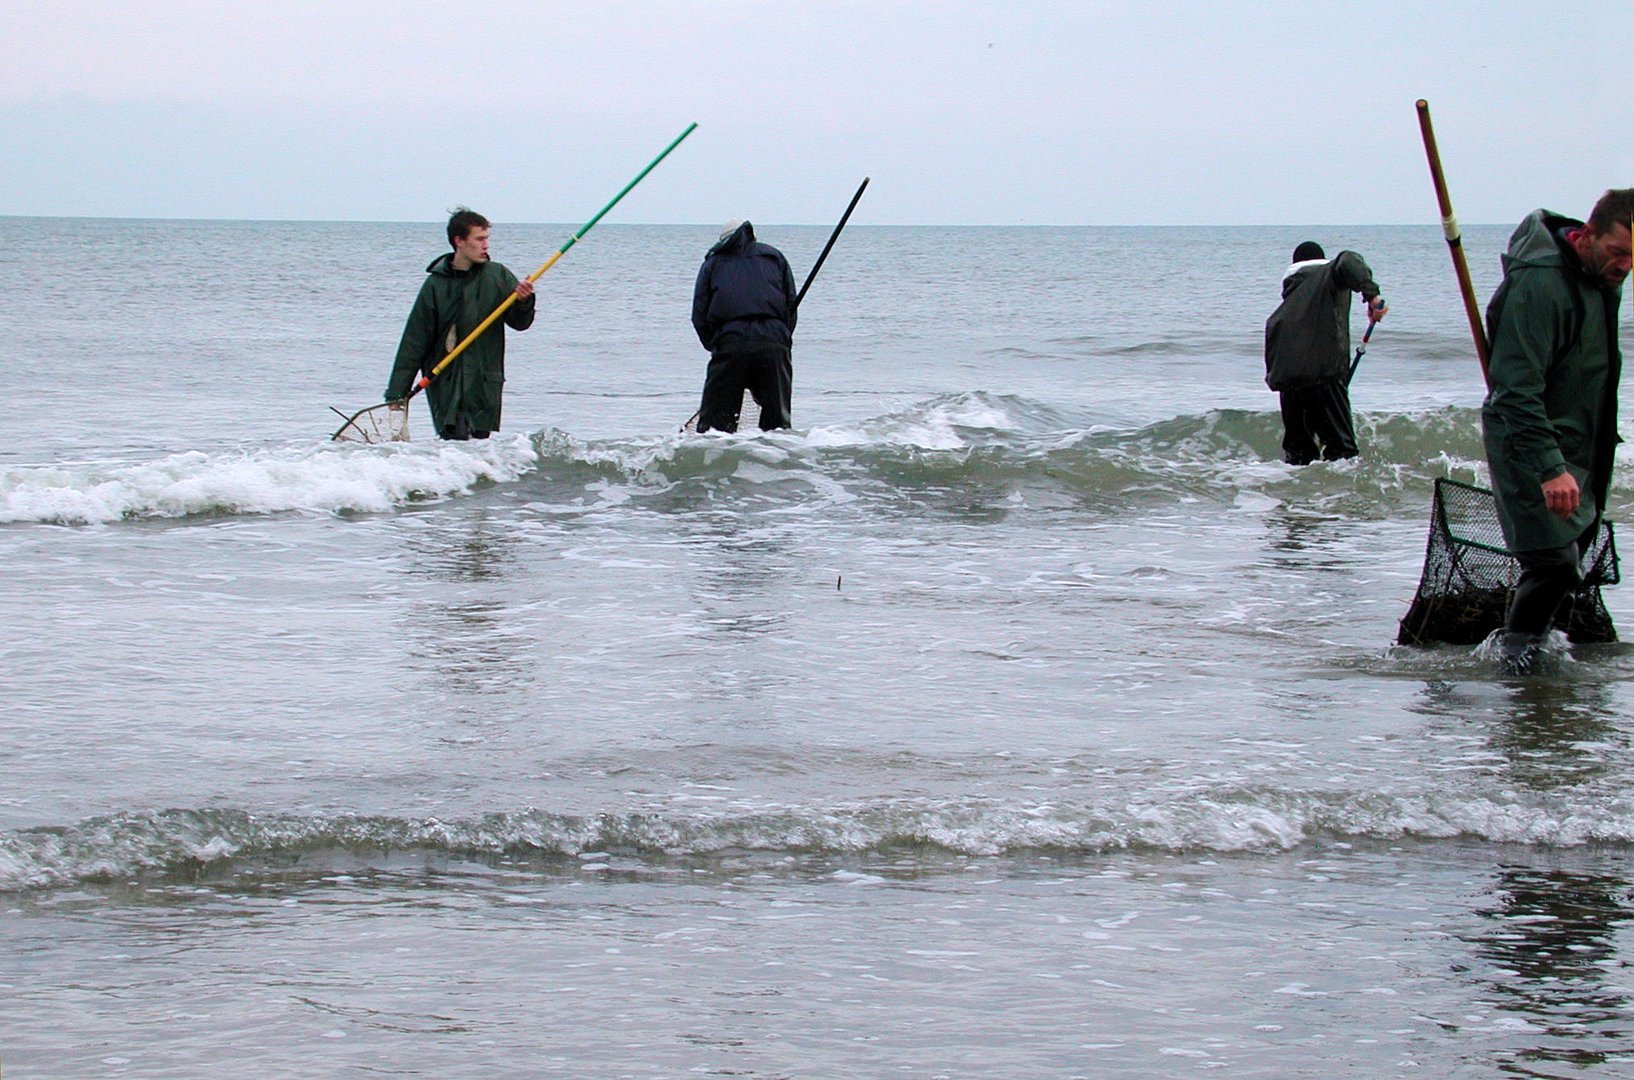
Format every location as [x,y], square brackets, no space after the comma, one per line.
[1097,112]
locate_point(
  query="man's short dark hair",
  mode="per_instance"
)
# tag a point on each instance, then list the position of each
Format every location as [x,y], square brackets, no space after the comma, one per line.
[1307,251]
[1616,207]
[462,221]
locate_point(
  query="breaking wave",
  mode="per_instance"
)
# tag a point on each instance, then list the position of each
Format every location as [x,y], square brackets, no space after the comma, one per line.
[331,478]
[158,843]
[985,442]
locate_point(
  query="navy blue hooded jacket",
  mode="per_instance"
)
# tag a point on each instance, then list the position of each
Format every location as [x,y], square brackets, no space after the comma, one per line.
[744,295]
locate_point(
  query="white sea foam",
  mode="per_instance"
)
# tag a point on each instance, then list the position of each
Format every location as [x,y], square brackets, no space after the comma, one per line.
[939,424]
[160,842]
[922,432]
[328,478]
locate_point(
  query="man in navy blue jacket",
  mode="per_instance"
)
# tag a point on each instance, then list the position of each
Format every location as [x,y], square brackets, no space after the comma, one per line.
[744,311]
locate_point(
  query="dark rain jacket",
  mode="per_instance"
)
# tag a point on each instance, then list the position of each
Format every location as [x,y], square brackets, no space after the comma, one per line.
[744,294]
[450,305]
[1307,338]
[1553,370]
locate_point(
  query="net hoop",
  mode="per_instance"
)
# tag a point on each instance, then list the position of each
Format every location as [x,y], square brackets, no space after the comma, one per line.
[385,423]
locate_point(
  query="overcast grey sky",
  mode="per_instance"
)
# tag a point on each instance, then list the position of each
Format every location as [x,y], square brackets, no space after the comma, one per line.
[1095,112]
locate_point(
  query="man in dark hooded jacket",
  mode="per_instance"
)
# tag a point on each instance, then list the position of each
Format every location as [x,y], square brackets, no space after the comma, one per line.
[743,308]
[1307,351]
[1549,422]
[462,288]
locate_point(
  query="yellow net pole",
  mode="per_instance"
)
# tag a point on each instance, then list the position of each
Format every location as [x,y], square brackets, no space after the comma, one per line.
[505,305]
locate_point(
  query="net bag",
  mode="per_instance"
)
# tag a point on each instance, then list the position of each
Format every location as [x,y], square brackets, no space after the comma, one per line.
[1469,576]
[691,426]
[376,424]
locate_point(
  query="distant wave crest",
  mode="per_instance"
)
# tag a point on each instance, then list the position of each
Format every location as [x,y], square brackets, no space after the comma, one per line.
[158,843]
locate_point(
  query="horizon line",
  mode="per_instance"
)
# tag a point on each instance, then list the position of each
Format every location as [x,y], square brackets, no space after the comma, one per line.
[1436,224]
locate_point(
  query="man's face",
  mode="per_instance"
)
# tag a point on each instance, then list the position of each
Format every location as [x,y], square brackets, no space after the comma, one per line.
[473,246]
[1606,253]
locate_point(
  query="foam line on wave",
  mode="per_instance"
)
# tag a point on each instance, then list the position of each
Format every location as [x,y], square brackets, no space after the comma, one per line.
[325,479]
[119,847]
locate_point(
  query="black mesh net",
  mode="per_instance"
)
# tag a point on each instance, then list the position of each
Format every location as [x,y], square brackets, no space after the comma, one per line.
[1469,575]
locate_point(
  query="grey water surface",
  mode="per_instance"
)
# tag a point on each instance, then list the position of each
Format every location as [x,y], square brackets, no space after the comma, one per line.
[1018,714]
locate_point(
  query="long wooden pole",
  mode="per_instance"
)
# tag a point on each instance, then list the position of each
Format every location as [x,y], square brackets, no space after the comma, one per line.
[1455,241]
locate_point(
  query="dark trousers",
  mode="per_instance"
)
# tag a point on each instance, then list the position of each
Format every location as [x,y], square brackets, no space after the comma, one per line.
[460,430]
[765,369]
[1316,423]
[1547,577]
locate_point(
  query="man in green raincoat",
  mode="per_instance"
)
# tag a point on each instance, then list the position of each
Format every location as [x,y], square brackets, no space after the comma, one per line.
[462,288]
[1549,422]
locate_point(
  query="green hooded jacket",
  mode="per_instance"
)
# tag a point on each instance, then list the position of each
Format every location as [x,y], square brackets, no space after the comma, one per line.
[1307,338]
[1553,371]
[450,305]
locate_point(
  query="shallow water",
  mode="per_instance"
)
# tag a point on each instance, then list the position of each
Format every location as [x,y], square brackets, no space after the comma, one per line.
[1017,714]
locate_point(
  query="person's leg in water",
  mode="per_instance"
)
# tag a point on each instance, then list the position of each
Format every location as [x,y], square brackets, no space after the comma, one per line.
[723,393]
[1327,411]
[1548,576]
[771,381]
[1298,448]
[460,430]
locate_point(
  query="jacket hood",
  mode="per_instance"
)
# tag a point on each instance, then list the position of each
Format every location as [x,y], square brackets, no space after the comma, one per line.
[1299,272]
[1536,241]
[1302,265]
[444,264]
[741,238]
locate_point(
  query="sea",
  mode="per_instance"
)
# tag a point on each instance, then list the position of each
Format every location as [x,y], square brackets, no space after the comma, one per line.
[1018,714]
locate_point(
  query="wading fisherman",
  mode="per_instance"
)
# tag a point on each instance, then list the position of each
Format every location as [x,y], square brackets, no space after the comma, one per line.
[744,310]
[1307,351]
[1550,417]
[462,288]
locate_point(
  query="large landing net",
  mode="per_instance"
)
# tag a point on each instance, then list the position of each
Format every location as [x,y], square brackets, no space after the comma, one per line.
[1469,576]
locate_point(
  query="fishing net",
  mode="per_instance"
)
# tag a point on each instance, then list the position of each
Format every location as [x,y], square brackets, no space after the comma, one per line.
[376,424]
[1469,576]
[691,426]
